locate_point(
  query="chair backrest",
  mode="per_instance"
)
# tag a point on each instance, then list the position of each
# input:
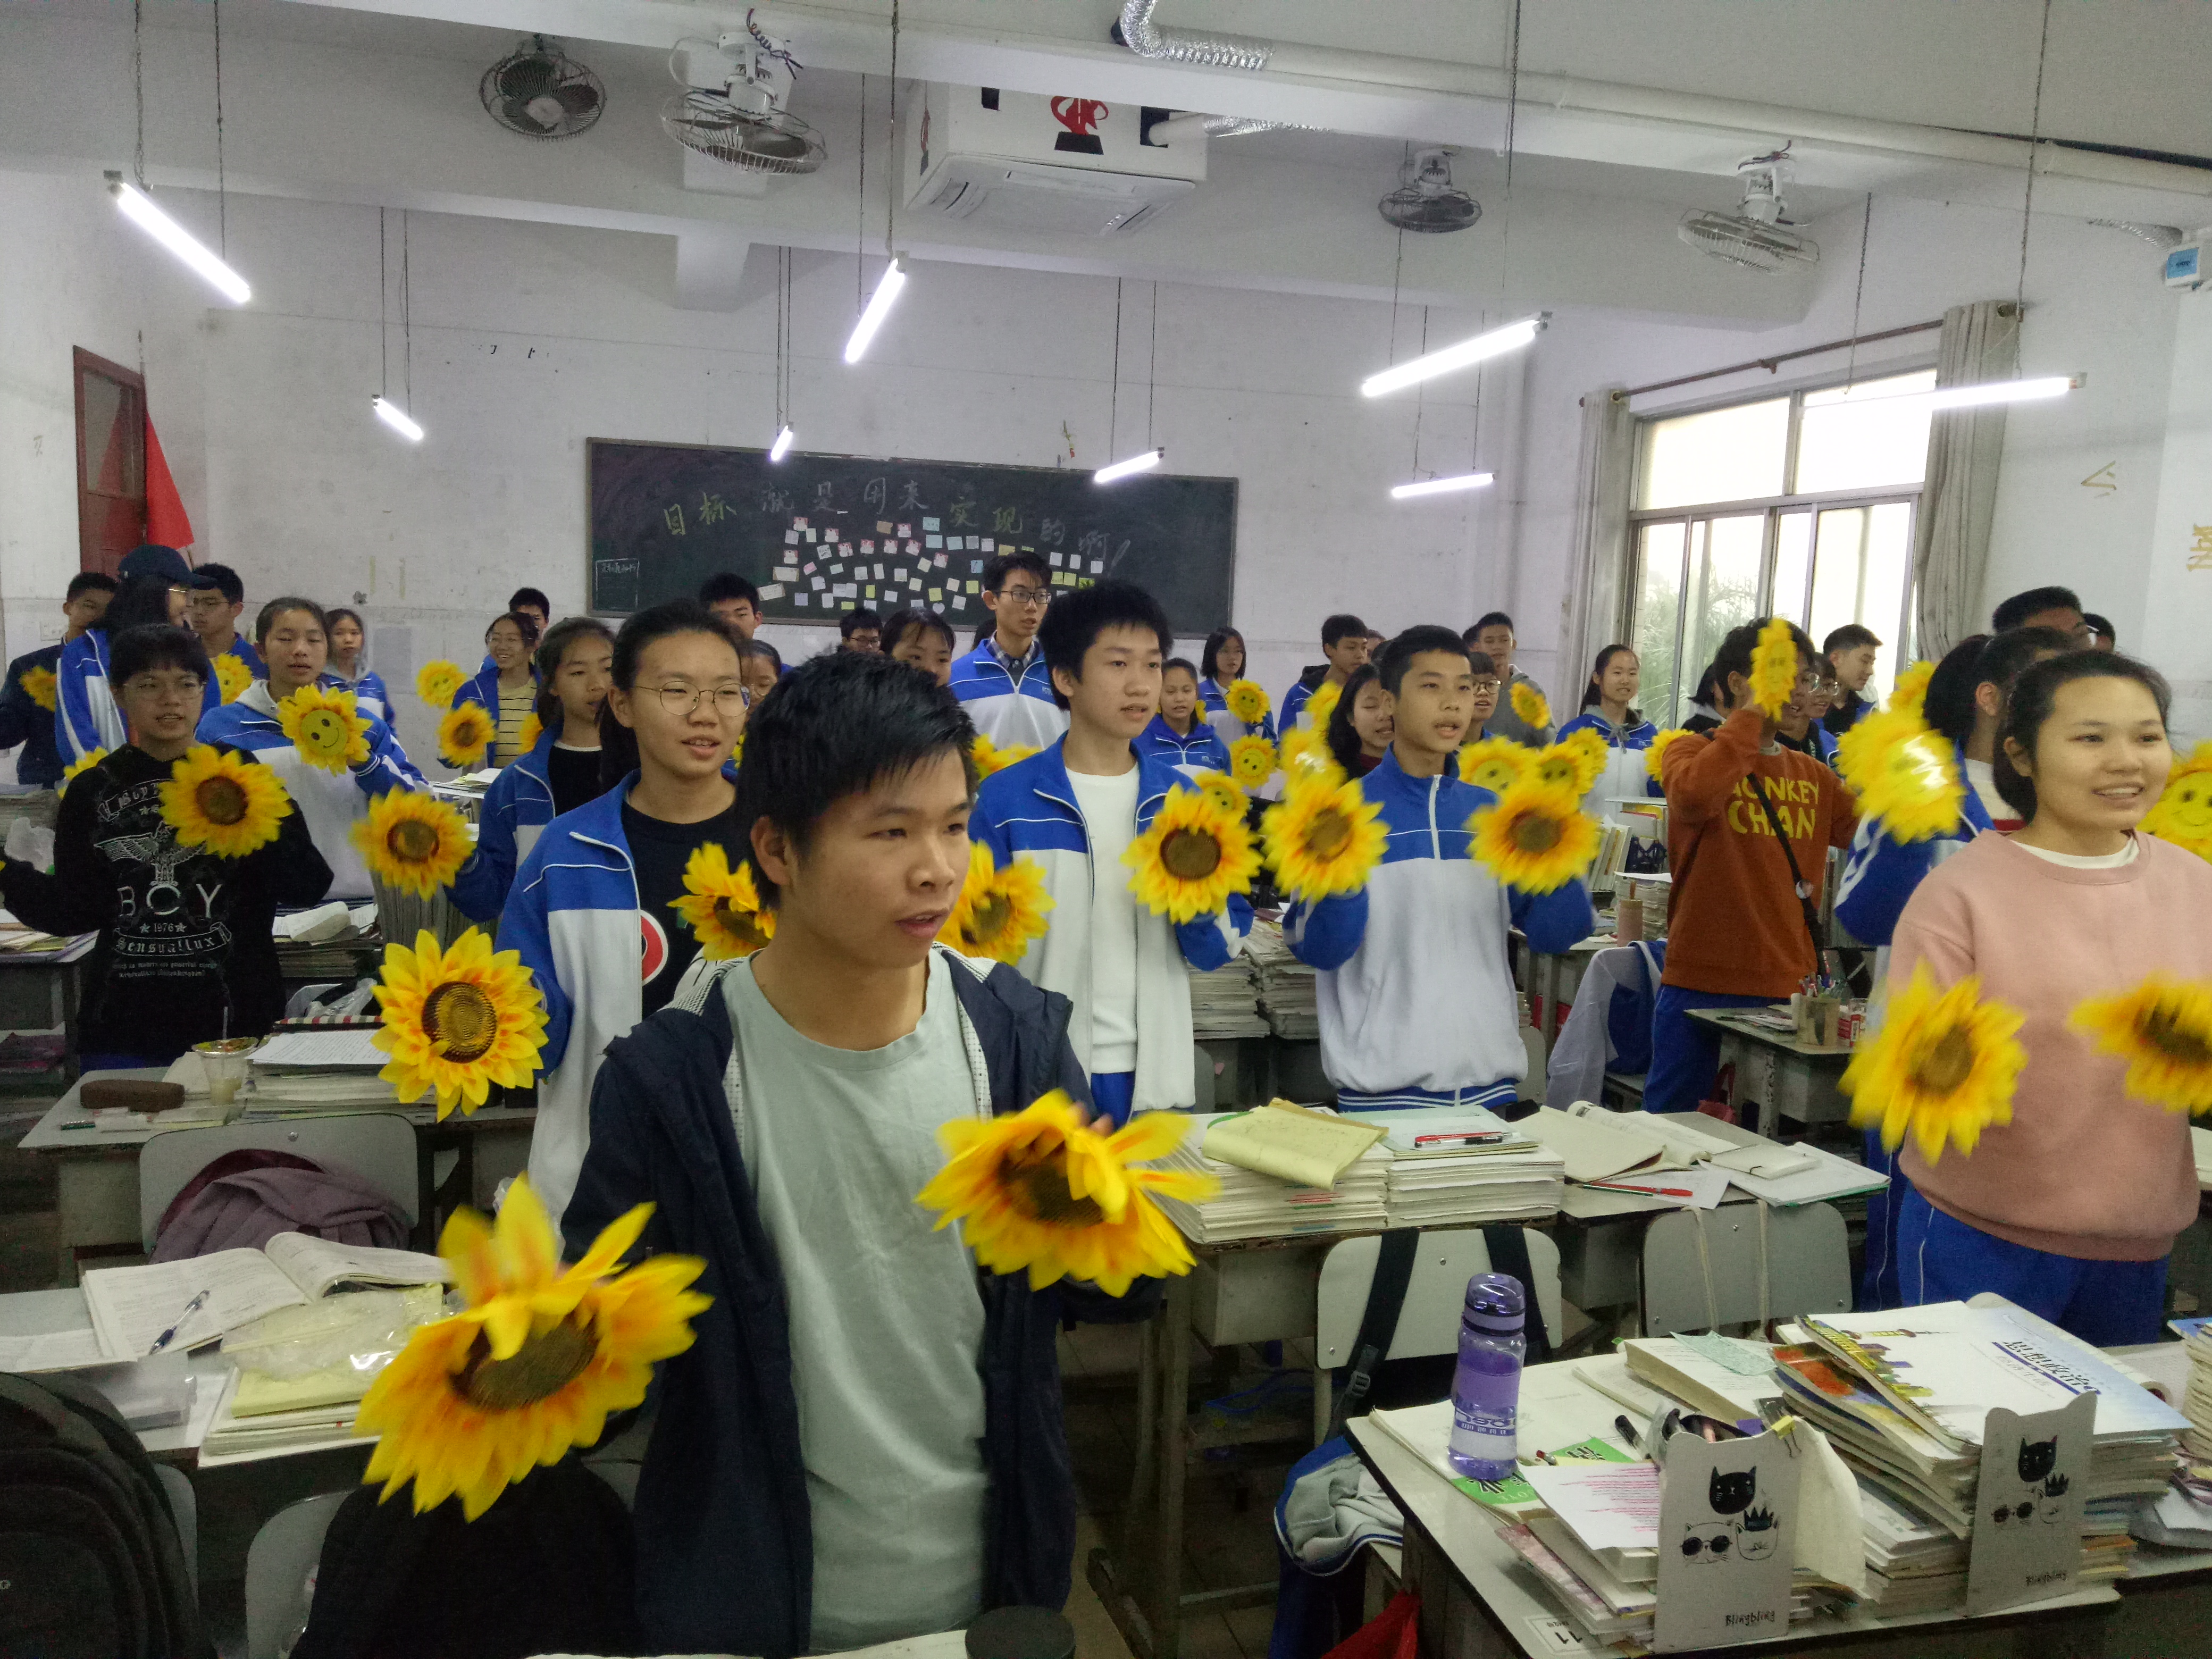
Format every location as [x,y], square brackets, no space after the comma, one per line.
[1429,1321]
[1742,1262]
[185,1510]
[276,1563]
[376,1147]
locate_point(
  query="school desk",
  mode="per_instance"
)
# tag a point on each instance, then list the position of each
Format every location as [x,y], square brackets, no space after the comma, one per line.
[97,1174]
[41,991]
[1778,1075]
[1549,979]
[1479,1600]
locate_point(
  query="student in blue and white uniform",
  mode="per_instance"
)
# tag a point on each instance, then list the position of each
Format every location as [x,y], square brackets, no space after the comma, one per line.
[152,586]
[1177,734]
[1345,643]
[293,637]
[1799,726]
[562,773]
[347,671]
[1415,994]
[29,719]
[1004,683]
[1361,726]
[216,600]
[1220,665]
[1965,704]
[920,639]
[1849,654]
[1605,710]
[1075,808]
[593,907]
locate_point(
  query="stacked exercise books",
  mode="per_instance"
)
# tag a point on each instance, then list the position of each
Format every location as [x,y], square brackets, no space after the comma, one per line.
[1462,1166]
[1225,1004]
[2197,1438]
[1251,1204]
[1284,985]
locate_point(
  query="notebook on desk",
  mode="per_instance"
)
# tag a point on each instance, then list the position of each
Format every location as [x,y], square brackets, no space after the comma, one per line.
[1290,1143]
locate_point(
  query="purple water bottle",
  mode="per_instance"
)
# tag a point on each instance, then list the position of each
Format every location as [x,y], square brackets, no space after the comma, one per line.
[1485,1392]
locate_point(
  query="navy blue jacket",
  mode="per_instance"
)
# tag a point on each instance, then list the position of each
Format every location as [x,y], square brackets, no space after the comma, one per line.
[725,1533]
[22,721]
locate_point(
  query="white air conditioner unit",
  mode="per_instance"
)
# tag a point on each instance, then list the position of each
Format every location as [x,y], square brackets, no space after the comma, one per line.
[1066,166]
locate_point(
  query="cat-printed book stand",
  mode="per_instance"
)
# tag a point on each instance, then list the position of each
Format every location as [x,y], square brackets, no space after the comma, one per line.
[1727,1540]
[2027,1505]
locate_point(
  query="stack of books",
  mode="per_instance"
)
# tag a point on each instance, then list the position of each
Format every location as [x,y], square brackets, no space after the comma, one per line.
[1225,1004]
[1284,985]
[1463,1166]
[319,1070]
[1253,1205]
[2197,1404]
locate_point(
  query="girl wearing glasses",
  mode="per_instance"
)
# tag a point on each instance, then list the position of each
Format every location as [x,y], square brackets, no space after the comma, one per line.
[593,905]
[507,684]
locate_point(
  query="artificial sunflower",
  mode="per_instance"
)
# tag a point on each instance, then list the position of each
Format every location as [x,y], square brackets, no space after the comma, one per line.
[439,683]
[1252,760]
[2183,813]
[221,802]
[532,729]
[458,1021]
[1536,838]
[1911,781]
[535,1363]
[412,842]
[325,727]
[2163,1030]
[232,677]
[1494,763]
[1654,756]
[1192,857]
[1246,700]
[990,758]
[1324,837]
[722,905]
[1319,706]
[998,911]
[1222,790]
[1528,703]
[1774,666]
[1304,754]
[1591,752]
[1911,691]
[39,686]
[70,772]
[466,735]
[1042,1189]
[1943,1065]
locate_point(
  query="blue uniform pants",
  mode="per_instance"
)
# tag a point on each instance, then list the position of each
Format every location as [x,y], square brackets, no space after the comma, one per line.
[1943,1258]
[1113,1093]
[1686,1054]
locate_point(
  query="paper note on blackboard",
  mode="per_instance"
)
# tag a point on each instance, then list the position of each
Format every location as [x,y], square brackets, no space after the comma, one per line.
[773,591]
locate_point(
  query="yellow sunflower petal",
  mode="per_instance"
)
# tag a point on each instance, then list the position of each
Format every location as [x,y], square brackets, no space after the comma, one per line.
[1774,666]
[1494,763]
[990,758]
[1319,706]
[1252,760]
[1535,839]
[41,686]
[232,677]
[2163,1030]
[722,905]
[1528,703]
[70,773]
[999,912]
[1654,756]
[412,840]
[1942,1067]
[1911,691]
[1191,858]
[1246,700]
[466,735]
[1147,1136]
[326,727]
[1324,837]
[220,801]
[439,683]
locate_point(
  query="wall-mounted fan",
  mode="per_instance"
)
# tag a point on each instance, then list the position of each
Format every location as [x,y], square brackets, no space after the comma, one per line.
[731,108]
[540,91]
[1758,237]
[1426,200]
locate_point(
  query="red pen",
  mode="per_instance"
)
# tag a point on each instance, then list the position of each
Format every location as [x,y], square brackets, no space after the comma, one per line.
[1648,1192]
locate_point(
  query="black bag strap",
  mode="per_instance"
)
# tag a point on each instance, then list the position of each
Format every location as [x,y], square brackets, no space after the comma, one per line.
[1509,1254]
[1386,1299]
[1802,888]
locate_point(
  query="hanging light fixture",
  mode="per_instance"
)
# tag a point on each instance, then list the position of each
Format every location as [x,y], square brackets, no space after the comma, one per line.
[381,405]
[894,277]
[781,446]
[1143,461]
[397,418]
[1464,354]
[1441,486]
[879,306]
[139,209]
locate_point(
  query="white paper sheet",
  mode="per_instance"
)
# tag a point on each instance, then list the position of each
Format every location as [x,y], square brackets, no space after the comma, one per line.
[1611,1506]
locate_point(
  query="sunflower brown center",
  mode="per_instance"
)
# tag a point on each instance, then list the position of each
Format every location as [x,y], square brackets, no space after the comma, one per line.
[1946,1064]
[541,1367]
[411,841]
[989,918]
[2162,1029]
[1535,832]
[460,1022]
[222,800]
[1190,854]
[1036,1185]
[1327,833]
[744,924]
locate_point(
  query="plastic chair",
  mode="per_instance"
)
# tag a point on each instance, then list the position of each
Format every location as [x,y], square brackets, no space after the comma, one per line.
[276,1563]
[1428,1322]
[184,1508]
[1743,1264]
[376,1147]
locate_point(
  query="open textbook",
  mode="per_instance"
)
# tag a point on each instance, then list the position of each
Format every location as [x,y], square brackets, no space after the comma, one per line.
[132,1306]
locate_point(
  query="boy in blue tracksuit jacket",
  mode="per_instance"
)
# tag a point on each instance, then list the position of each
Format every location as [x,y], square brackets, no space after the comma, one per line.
[1345,643]
[1415,995]
[1003,683]
[27,717]
[150,586]
[1074,809]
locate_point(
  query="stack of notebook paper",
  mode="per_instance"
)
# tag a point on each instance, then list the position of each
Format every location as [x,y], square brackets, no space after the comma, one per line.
[1253,1205]
[1285,984]
[310,1071]
[1461,1166]
[1225,1003]
[2197,1404]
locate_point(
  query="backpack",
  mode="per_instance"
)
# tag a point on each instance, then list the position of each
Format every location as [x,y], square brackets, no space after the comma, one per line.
[91,1566]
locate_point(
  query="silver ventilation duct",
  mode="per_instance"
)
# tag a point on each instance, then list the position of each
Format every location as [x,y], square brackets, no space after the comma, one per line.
[1202,46]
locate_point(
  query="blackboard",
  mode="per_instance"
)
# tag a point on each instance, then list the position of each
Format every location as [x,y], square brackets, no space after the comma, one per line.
[818,534]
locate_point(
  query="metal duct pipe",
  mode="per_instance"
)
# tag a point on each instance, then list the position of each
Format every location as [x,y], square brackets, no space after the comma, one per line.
[1191,124]
[1147,40]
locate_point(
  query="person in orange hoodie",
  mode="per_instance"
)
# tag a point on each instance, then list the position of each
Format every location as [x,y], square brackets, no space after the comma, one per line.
[1749,825]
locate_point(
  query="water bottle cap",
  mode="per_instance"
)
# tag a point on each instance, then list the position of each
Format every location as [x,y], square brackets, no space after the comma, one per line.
[1494,1303]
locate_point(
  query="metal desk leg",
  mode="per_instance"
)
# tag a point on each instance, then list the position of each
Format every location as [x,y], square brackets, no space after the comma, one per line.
[1171,1443]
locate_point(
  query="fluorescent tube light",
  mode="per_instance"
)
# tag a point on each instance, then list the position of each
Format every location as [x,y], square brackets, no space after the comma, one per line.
[879,306]
[1144,461]
[1970,396]
[138,206]
[781,446]
[1445,359]
[397,418]
[1440,486]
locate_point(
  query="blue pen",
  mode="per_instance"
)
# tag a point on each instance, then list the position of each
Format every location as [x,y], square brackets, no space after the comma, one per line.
[170,1335]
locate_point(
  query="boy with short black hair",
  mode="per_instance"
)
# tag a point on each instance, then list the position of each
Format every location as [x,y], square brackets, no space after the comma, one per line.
[2043,607]
[1849,653]
[828,1469]
[1344,641]
[1493,636]
[860,630]
[184,954]
[1414,991]
[736,601]
[531,600]
[1003,683]
[27,702]
[217,598]
[1075,808]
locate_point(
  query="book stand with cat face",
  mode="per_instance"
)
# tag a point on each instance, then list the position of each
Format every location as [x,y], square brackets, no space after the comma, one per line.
[1728,1533]
[2027,1505]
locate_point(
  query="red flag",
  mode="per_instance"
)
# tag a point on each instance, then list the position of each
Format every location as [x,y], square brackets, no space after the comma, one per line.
[166,522]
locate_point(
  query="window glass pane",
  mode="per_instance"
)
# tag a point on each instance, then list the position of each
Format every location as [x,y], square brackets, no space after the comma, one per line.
[1723,590]
[1852,440]
[1836,563]
[1658,617]
[114,437]
[1888,573]
[1793,563]
[1721,455]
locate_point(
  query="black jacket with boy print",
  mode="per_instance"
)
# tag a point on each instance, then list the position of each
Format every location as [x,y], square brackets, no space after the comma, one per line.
[185,936]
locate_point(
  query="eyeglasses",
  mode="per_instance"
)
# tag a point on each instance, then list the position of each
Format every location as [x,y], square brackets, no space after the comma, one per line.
[1488,688]
[1037,596]
[682,701]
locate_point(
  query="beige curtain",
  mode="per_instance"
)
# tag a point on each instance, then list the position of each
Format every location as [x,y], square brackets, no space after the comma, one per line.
[1591,612]
[1951,540]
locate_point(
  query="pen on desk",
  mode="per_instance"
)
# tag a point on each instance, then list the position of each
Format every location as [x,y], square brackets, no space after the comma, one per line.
[170,1335]
[1647,1192]
[1628,1432]
[1461,1138]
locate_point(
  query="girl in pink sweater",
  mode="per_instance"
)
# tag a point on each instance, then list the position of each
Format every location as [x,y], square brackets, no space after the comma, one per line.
[2071,1209]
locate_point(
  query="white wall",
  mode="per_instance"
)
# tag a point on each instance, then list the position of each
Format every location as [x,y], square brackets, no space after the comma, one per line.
[2177,632]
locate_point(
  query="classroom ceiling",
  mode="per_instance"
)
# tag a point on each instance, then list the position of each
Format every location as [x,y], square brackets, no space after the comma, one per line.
[1630,112]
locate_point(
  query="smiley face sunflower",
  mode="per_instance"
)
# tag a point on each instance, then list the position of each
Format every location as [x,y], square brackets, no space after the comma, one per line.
[232,677]
[1246,700]
[1495,764]
[2183,813]
[439,683]
[325,727]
